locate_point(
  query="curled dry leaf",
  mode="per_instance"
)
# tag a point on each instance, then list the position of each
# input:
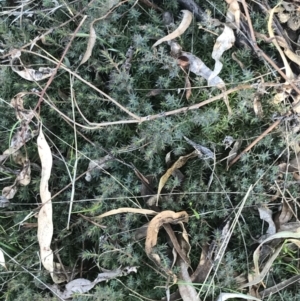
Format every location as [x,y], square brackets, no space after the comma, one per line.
[259,276]
[23,177]
[28,73]
[21,112]
[196,65]
[82,285]
[164,217]
[178,164]
[202,151]
[97,165]
[286,213]
[185,23]
[223,43]
[266,215]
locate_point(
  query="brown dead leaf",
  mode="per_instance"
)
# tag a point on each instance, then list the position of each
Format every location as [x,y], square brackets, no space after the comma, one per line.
[178,164]
[164,217]
[204,266]
[183,26]
[183,61]
[182,253]
[188,87]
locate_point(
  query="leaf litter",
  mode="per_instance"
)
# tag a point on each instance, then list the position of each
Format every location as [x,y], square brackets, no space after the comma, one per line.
[277,227]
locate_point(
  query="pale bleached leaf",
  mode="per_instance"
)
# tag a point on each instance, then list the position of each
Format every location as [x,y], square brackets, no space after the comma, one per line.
[226,296]
[82,285]
[127,210]
[45,224]
[100,164]
[183,26]
[90,45]
[2,259]
[223,43]
[29,73]
[266,215]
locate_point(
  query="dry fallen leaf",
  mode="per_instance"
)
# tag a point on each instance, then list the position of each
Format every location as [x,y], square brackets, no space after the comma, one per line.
[164,217]
[186,289]
[226,296]
[91,44]
[126,210]
[202,151]
[257,107]
[234,151]
[2,259]
[100,164]
[45,225]
[233,13]
[224,42]
[28,73]
[266,215]
[178,164]
[259,276]
[82,285]
[188,87]
[185,23]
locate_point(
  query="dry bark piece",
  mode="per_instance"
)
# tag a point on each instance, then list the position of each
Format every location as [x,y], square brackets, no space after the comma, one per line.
[183,26]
